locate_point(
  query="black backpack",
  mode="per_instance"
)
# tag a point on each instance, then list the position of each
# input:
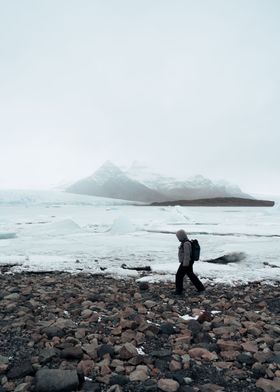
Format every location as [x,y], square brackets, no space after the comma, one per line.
[195,250]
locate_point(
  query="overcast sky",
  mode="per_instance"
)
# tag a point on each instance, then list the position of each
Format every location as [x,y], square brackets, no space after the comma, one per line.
[185,86]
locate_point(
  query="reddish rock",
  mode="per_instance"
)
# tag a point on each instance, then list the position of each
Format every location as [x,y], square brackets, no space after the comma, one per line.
[140,338]
[105,369]
[86,313]
[237,374]
[262,304]
[86,367]
[229,355]
[139,374]
[202,353]
[94,318]
[128,351]
[80,333]
[128,336]
[175,366]
[205,316]
[150,304]
[64,323]
[3,368]
[231,320]
[117,331]
[255,331]
[104,379]
[224,330]
[126,324]
[168,385]
[252,316]
[223,365]
[228,345]
[116,362]
[91,350]
[186,338]
[141,309]
[269,385]
[263,356]
[251,347]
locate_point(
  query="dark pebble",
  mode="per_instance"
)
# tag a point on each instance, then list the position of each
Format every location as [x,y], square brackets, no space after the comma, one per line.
[89,386]
[161,364]
[53,331]
[161,353]
[194,326]
[276,359]
[245,358]
[143,286]
[150,386]
[105,349]
[185,388]
[47,354]
[167,329]
[21,370]
[119,379]
[72,353]
[56,380]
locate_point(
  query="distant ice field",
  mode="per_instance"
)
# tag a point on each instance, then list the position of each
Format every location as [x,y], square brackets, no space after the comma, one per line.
[48,231]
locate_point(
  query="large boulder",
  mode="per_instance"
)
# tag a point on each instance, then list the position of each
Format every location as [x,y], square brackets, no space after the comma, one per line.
[56,380]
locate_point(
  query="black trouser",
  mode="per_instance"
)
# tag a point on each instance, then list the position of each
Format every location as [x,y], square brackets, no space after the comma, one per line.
[182,271]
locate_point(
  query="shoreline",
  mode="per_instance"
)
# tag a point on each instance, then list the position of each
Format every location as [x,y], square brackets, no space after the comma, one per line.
[146,274]
[132,336]
[217,202]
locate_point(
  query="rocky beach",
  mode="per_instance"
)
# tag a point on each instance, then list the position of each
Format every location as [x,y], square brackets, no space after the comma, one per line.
[65,332]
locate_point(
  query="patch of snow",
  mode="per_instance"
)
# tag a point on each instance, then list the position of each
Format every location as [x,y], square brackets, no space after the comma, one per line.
[188,317]
[151,322]
[140,351]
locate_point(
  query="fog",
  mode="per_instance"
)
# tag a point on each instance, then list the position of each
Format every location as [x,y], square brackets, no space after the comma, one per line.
[186,87]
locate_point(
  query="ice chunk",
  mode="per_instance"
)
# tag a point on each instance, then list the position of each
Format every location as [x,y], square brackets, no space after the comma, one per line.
[5,236]
[122,225]
[176,215]
[66,226]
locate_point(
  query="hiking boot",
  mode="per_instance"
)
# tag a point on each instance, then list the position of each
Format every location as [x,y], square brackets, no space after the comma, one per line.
[179,293]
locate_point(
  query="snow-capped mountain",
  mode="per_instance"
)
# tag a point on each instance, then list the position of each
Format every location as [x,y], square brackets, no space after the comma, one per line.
[195,187]
[139,184]
[111,181]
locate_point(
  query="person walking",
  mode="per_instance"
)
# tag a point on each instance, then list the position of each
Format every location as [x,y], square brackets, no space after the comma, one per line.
[186,264]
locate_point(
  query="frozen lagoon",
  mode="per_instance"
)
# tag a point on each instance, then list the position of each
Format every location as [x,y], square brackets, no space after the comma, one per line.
[47,231]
